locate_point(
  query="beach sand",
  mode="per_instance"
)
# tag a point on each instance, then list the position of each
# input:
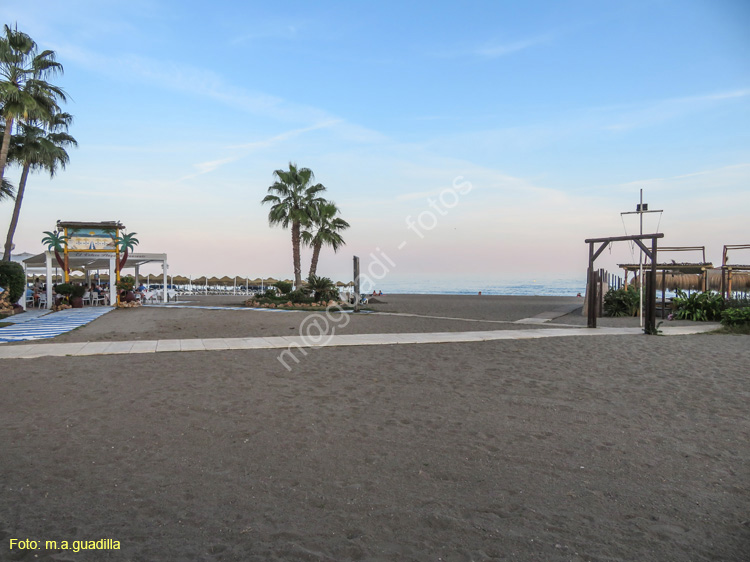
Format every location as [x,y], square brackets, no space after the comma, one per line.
[576,448]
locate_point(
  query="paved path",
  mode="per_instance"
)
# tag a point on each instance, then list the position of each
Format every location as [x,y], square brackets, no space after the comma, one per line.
[291,342]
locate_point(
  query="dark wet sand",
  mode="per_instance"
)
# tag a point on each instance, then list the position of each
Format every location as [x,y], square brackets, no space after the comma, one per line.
[606,448]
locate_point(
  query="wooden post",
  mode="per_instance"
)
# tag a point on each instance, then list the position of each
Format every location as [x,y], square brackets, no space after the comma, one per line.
[591,291]
[663,291]
[729,283]
[356,284]
[651,296]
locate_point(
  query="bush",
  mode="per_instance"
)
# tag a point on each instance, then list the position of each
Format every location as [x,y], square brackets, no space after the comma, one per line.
[13,280]
[299,295]
[126,283]
[736,316]
[284,287]
[622,302]
[700,307]
[77,291]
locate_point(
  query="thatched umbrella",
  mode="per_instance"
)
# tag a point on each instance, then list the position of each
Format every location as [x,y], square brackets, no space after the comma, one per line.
[226,281]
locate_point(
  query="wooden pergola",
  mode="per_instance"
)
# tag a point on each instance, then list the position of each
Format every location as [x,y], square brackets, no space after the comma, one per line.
[592,290]
[698,268]
[727,268]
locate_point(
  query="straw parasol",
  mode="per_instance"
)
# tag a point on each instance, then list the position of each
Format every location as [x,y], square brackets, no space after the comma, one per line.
[226,280]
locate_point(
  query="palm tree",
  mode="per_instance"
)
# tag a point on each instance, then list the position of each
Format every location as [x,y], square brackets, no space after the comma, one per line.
[7,191]
[55,241]
[126,242]
[36,149]
[326,226]
[24,92]
[292,198]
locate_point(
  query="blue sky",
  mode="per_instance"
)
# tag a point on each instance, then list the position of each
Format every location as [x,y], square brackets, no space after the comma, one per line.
[557,113]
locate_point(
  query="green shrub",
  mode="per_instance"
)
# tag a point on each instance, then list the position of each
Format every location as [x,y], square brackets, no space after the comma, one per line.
[64,289]
[126,283]
[701,307]
[284,287]
[622,302]
[299,295]
[77,291]
[13,280]
[736,316]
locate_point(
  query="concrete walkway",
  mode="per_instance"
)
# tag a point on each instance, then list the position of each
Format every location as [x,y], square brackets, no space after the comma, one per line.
[30,351]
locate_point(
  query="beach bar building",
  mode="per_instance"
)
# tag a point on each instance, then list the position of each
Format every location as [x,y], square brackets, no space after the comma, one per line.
[89,247]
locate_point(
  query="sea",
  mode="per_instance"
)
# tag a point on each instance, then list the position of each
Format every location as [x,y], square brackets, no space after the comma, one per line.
[548,287]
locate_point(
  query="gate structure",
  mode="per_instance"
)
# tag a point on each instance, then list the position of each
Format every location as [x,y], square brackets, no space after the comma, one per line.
[591,289]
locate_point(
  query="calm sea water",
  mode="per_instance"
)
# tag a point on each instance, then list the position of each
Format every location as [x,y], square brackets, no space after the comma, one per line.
[551,287]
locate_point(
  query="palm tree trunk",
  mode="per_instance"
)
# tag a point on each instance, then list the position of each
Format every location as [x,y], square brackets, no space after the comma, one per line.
[123,260]
[16,212]
[315,256]
[295,254]
[59,259]
[5,146]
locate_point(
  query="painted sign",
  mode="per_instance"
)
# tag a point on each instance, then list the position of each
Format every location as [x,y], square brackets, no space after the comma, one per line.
[91,239]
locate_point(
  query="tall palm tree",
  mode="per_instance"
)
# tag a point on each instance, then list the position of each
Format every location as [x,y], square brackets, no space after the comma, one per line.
[292,198]
[24,91]
[323,229]
[7,191]
[34,148]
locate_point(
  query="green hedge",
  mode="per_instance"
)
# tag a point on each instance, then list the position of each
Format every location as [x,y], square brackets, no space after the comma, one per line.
[735,317]
[12,279]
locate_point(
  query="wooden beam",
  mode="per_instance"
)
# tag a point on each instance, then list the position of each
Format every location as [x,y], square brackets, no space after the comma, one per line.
[626,238]
[645,251]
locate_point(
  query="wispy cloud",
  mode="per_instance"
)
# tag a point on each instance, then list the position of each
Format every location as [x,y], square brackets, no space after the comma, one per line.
[491,49]
[247,148]
[658,111]
[495,50]
[191,80]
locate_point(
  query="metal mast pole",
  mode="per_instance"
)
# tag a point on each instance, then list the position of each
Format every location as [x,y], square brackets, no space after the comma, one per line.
[640,265]
[640,209]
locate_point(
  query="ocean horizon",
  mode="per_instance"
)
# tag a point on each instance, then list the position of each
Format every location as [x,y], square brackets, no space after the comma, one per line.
[552,287]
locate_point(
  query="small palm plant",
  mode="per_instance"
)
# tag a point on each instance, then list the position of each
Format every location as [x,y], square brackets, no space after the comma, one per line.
[323,288]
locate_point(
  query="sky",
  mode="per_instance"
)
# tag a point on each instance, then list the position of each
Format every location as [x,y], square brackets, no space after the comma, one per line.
[505,133]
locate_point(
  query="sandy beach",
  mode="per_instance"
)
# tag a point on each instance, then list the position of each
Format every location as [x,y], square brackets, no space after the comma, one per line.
[577,448]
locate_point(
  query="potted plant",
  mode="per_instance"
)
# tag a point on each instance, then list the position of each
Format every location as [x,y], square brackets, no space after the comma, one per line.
[125,286]
[76,296]
[63,290]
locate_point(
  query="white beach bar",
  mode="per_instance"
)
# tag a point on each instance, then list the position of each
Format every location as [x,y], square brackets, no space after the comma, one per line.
[89,262]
